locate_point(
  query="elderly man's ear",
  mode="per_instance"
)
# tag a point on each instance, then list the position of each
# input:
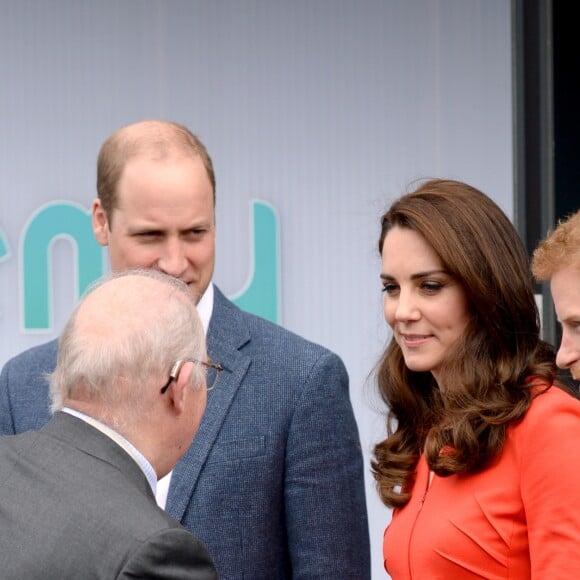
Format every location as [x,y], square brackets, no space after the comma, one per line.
[178,389]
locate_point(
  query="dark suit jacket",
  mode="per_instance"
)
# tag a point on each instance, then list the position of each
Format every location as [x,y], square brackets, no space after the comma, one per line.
[273,482]
[73,504]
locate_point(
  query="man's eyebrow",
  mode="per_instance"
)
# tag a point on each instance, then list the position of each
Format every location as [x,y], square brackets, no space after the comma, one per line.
[570,319]
[145,229]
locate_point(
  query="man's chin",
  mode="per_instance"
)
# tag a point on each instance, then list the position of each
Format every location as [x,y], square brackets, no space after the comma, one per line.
[197,290]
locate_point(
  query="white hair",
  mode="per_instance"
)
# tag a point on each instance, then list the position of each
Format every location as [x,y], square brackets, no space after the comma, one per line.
[116,369]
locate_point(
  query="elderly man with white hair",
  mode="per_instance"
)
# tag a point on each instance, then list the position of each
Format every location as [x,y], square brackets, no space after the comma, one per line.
[129,391]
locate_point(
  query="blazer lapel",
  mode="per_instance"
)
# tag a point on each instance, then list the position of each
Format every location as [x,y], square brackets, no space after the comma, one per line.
[226,335]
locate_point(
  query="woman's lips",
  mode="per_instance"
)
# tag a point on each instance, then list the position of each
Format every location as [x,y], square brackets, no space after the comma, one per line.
[414,340]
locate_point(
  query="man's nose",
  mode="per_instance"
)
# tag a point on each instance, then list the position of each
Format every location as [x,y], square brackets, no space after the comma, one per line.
[569,351]
[173,260]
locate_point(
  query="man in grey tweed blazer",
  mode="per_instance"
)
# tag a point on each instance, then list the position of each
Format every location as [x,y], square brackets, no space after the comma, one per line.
[77,497]
[273,483]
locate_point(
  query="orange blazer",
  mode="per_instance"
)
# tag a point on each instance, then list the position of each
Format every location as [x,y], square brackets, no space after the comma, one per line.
[519,518]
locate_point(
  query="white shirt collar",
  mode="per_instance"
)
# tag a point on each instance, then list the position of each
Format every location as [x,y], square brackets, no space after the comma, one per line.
[127,446]
[205,307]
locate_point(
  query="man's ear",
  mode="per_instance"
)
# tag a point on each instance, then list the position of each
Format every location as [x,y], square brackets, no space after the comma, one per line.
[178,389]
[100,223]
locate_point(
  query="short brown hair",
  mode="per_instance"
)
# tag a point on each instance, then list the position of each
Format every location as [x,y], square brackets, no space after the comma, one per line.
[561,248]
[154,136]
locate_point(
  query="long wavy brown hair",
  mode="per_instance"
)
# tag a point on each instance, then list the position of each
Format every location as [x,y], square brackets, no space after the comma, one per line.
[495,369]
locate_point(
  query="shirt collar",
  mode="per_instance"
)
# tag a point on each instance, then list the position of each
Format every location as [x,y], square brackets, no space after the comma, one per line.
[205,307]
[126,445]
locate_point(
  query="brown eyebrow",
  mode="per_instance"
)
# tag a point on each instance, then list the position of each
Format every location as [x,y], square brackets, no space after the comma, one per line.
[141,231]
[156,230]
[417,276]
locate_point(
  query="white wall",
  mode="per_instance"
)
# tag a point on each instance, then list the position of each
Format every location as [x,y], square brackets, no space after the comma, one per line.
[326,109]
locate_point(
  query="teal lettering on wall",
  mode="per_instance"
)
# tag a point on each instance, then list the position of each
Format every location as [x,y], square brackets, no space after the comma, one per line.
[4,249]
[261,294]
[51,222]
[71,221]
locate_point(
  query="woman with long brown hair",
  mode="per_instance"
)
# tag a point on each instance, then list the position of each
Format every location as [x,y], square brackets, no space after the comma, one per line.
[481,456]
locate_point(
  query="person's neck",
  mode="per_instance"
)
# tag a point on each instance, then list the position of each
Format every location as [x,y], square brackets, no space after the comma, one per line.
[154,442]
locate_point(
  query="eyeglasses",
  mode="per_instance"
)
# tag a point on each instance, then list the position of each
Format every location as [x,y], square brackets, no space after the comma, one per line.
[213,371]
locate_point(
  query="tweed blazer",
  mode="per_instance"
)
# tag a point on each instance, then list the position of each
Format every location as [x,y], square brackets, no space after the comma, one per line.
[73,504]
[273,483]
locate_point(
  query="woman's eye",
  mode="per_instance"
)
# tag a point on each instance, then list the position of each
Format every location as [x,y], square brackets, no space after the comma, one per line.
[432,287]
[390,288]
